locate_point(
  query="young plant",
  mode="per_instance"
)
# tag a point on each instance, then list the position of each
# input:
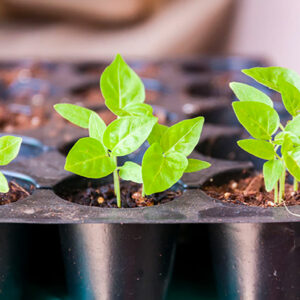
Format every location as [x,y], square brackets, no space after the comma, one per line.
[166,160]
[9,149]
[256,113]
[96,156]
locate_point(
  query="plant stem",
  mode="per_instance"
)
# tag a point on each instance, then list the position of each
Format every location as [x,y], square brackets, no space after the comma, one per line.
[117,185]
[276,193]
[295,185]
[281,126]
[282,186]
[143,192]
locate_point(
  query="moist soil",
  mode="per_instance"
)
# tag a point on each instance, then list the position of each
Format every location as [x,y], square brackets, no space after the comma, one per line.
[131,196]
[251,191]
[16,192]
[215,86]
[34,70]
[106,115]
[90,95]
[20,117]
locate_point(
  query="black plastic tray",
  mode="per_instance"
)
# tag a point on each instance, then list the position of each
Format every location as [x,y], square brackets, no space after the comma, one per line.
[41,161]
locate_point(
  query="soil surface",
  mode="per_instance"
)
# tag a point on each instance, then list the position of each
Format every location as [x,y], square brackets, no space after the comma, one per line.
[131,196]
[214,86]
[251,191]
[106,115]
[16,192]
[34,70]
[90,95]
[15,116]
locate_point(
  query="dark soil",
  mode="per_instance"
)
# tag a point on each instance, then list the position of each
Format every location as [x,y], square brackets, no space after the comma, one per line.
[107,116]
[148,70]
[215,86]
[33,70]
[15,116]
[16,192]
[25,84]
[131,196]
[152,96]
[251,191]
[91,68]
[90,95]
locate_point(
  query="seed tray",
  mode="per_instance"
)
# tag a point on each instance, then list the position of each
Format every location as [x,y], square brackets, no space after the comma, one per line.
[41,161]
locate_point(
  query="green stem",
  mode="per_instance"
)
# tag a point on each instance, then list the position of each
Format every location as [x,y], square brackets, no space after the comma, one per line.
[117,185]
[276,193]
[281,126]
[143,192]
[295,185]
[282,186]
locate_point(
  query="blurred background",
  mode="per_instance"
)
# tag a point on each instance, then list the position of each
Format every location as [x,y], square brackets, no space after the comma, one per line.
[93,30]
[96,29]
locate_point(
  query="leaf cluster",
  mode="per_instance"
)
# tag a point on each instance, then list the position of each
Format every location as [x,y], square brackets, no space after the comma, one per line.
[96,156]
[255,111]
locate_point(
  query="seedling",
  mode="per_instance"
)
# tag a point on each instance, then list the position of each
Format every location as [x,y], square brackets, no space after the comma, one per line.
[9,149]
[274,142]
[96,156]
[166,160]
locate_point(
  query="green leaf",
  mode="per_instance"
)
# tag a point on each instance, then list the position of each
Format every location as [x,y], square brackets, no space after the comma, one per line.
[183,136]
[259,148]
[290,97]
[89,158]
[134,109]
[75,114]
[131,171]
[279,138]
[4,188]
[96,127]
[161,171]
[127,134]
[294,126]
[121,86]
[287,144]
[157,132]
[138,109]
[292,162]
[245,92]
[272,76]
[272,171]
[195,165]
[9,148]
[259,119]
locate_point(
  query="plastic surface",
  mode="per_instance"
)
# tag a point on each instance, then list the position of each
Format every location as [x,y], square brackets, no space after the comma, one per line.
[257,261]
[114,261]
